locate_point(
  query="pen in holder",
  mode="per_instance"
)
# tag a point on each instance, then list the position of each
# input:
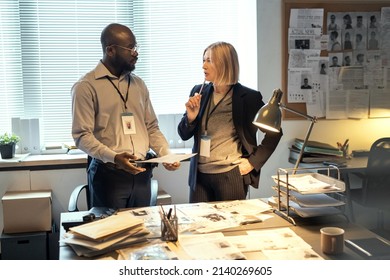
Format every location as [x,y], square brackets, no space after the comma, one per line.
[169,229]
[169,225]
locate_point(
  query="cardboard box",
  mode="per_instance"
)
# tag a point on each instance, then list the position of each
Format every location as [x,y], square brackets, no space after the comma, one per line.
[24,246]
[27,211]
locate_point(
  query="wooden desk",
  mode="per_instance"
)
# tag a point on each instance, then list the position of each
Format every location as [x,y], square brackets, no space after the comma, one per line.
[307,229]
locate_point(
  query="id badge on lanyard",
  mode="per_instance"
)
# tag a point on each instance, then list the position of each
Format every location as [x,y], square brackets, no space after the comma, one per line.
[128,123]
[205,144]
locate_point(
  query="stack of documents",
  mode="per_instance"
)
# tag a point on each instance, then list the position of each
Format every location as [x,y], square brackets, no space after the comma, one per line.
[310,183]
[105,235]
[314,152]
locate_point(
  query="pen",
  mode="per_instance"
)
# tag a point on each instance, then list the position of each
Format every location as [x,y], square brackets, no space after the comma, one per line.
[169,213]
[251,222]
[201,88]
[162,212]
[345,143]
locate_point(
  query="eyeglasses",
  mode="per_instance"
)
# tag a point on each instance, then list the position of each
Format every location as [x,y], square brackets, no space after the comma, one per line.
[132,50]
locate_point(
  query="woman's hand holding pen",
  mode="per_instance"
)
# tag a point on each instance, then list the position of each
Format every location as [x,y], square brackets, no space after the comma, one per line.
[123,161]
[193,106]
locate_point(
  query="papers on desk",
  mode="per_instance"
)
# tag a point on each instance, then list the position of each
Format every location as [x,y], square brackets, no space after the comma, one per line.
[159,251]
[211,246]
[283,244]
[104,229]
[310,183]
[208,217]
[104,235]
[274,244]
[126,234]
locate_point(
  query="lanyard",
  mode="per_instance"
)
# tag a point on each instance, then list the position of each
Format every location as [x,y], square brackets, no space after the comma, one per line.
[212,110]
[120,94]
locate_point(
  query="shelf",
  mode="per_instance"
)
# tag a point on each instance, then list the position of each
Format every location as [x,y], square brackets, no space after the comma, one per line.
[313,200]
[307,194]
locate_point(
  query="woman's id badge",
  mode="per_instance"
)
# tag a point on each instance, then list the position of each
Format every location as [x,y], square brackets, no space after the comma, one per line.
[205,143]
[128,123]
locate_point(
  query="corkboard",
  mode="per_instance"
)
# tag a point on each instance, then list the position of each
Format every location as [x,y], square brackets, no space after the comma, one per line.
[328,6]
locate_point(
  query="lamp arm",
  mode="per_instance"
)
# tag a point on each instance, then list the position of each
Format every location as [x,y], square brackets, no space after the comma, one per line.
[313,120]
[304,145]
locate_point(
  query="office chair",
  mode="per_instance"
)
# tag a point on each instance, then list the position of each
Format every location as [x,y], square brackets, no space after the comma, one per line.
[74,196]
[375,191]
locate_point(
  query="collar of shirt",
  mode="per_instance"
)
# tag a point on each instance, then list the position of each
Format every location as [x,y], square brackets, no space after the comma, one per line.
[101,71]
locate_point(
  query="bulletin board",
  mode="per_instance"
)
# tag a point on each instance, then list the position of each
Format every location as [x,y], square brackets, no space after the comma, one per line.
[328,6]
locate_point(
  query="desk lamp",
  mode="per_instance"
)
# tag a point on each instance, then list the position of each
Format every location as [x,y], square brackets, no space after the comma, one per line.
[269,117]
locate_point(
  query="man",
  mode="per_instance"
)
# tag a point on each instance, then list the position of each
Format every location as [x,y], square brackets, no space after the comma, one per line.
[373,43]
[332,25]
[347,41]
[115,124]
[334,43]
[305,84]
[335,62]
[347,60]
[359,44]
[323,69]
[360,59]
[373,23]
[359,22]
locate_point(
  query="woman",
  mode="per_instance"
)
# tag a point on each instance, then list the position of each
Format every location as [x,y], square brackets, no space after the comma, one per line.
[219,116]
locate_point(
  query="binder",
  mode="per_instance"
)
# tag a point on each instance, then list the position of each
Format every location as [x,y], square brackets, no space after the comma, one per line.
[316,147]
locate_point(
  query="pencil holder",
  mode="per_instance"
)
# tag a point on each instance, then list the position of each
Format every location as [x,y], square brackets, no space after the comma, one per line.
[169,229]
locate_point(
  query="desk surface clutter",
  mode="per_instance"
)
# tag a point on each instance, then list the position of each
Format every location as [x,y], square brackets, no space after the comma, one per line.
[244,229]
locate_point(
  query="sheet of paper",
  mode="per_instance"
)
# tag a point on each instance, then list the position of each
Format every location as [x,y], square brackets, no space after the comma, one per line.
[379,103]
[280,243]
[171,158]
[358,104]
[212,246]
[305,18]
[243,207]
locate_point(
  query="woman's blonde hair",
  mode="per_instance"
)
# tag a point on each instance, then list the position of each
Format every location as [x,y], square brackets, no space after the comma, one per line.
[224,56]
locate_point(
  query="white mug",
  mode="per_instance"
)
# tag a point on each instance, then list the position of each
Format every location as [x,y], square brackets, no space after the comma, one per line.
[332,240]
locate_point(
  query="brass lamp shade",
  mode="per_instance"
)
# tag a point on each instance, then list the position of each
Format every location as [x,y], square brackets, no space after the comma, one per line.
[269,116]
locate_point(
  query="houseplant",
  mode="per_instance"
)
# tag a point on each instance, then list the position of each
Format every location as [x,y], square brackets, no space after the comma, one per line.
[7,145]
